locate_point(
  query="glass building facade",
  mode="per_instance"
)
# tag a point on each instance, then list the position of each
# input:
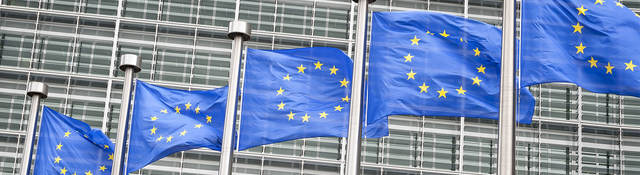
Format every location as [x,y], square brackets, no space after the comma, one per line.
[74,45]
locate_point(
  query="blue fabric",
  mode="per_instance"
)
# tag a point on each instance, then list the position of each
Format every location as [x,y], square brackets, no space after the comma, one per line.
[302,82]
[608,31]
[182,120]
[410,50]
[69,146]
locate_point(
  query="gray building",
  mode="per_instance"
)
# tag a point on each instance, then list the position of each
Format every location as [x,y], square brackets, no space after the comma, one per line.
[73,45]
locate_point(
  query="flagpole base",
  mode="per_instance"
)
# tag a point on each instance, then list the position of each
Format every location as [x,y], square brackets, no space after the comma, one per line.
[38,88]
[130,60]
[239,28]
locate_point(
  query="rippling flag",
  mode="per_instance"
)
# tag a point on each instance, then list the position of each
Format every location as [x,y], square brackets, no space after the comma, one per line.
[69,146]
[167,120]
[591,43]
[432,64]
[297,93]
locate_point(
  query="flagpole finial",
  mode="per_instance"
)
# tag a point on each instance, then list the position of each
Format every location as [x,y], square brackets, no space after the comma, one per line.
[130,60]
[369,1]
[239,28]
[38,88]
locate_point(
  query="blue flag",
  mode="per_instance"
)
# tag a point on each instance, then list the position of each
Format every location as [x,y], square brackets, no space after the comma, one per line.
[432,64]
[167,120]
[590,43]
[69,146]
[297,93]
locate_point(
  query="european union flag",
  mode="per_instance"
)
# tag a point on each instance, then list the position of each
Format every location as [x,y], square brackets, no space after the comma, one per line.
[167,120]
[432,64]
[591,43]
[70,146]
[297,93]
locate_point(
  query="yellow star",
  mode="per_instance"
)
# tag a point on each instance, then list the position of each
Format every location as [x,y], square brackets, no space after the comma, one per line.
[481,69]
[198,110]
[159,139]
[106,146]
[630,65]
[318,65]
[110,157]
[442,93]
[187,106]
[280,91]
[609,69]
[476,52]
[208,119]
[88,173]
[291,115]
[461,40]
[344,82]
[593,63]
[333,70]
[461,91]
[153,130]
[323,115]
[305,118]
[599,2]
[476,80]
[619,4]
[346,98]
[301,69]
[177,109]
[169,139]
[424,88]
[63,170]
[66,134]
[74,173]
[337,108]
[577,28]
[183,132]
[580,48]
[198,126]
[281,105]
[164,111]
[581,10]
[102,168]
[411,75]
[154,118]
[444,33]
[57,160]
[408,58]
[287,77]
[415,40]
[59,146]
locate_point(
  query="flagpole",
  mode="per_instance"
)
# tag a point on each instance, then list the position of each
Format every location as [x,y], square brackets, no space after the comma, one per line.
[37,91]
[129,63]
[354,139]
[506,137]
[239,31]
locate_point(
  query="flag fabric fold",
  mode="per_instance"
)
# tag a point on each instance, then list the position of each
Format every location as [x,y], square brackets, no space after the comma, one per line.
[297,93]
[166,121]
[70,146]
[432,64]
[589,43]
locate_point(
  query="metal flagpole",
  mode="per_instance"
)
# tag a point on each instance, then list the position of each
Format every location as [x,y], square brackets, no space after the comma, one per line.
[36,90]
[354,139]
[130,64]
[506,139]
[239,31]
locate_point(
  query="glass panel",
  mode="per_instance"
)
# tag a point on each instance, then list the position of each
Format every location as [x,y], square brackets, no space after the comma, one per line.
[600,151]
[404,148]
[217,12]
[183,11]
[631,151]
[64,5]
[480,145]
[86,101]
[211,64]
[54,47]
[9,144]
[93,55]
[631,111]
[441,143]
[294,17]
[601,108]
[103,7]
[16,38]
[332,20]
[138,39]
[559,101]
[22,3]
[259,13]
[527,149]
[175,48]
[145,9]
[558,149]
[12,100]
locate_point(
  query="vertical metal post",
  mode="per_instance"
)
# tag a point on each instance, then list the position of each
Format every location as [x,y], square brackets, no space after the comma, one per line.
[37,91]
[129,63]
[506,139]
[354,139]
[239,31]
